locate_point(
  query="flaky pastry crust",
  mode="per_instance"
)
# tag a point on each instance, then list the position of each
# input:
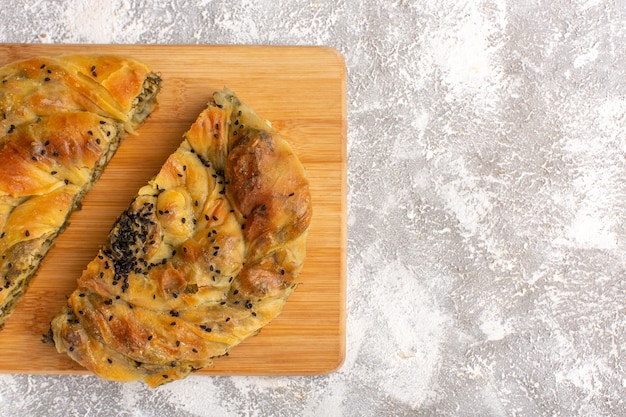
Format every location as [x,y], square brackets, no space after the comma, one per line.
[61,120]
[204,257]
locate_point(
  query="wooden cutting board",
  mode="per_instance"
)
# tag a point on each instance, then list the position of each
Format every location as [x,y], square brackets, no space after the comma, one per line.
[302,91]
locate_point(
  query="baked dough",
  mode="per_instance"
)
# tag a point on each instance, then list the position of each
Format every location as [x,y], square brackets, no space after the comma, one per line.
[204,257]
[61,120]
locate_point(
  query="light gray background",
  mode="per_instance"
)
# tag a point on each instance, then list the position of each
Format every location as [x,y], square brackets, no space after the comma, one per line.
[486,244]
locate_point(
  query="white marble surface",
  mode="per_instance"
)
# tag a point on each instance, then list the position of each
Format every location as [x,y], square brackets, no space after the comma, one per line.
[487,244]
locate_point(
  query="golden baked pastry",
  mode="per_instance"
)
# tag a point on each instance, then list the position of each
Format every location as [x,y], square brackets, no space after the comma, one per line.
[205,255]
[61,120]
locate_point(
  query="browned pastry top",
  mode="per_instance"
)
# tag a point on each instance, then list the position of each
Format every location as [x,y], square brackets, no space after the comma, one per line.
[205,256]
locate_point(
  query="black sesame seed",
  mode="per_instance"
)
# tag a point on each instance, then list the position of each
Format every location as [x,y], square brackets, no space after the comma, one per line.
[165,376]
[150,337]
[47,79]
[183,220]
[194,350]
[71,348]
[292,194]
[177,343]
[90,133]
[55,154]
[215,218]
[173,323]
[42,66]
[282,272]
[81,295]
[109,360]
[235,292]
[27,233]
[66,181]
[98,141]
[227,319]
[53,172]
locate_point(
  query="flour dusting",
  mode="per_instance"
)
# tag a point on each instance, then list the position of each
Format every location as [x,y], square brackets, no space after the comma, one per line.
[416,328]
[494,329]
[586,58]
[185,396]
[465,55]
[94,21]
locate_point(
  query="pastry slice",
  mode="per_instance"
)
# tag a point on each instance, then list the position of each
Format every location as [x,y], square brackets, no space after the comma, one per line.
[61,120]
[204,257]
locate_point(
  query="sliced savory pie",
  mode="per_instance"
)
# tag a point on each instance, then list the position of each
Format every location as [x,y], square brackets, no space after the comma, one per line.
[61,120]
[205,255]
